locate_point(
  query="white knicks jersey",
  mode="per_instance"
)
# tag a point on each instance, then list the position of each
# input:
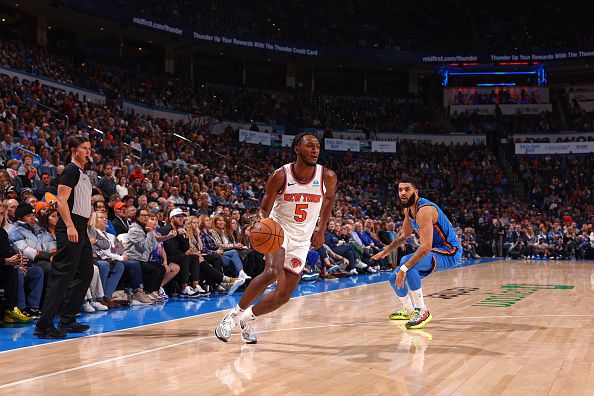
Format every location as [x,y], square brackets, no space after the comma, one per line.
[297,206]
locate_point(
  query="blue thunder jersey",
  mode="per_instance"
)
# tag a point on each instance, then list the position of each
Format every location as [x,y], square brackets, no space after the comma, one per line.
[444,234]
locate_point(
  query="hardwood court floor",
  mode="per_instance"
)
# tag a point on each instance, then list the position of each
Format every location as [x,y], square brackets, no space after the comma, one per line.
[342,343]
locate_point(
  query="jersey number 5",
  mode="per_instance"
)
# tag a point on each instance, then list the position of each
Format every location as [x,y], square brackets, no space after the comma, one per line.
[300,213]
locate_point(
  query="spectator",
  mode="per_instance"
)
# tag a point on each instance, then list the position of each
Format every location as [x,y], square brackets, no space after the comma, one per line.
[142,241]
[131,268]
[110,271]
[120,221]
[106,183]
[10,267]
[178,250]
[10,205]
[48,219]
[339,247]
[44,186]
[122,187]
[222,242]
[213,256]
[24,239]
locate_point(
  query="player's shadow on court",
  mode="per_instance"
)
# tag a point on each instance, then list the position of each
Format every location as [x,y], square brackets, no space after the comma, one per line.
[365,353]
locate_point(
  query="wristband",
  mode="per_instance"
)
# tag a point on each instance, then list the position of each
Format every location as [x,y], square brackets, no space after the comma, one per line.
[403,268]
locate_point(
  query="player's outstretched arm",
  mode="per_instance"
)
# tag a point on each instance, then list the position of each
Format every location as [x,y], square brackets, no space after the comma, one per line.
[401,237]
[327,204]
[275,183]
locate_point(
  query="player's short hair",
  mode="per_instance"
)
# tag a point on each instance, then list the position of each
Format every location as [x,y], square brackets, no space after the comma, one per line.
[411,180]
[297,139]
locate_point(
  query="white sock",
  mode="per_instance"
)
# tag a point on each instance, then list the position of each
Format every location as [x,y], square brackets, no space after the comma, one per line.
[248,314]
[406,302]
[417,296]
[237,310]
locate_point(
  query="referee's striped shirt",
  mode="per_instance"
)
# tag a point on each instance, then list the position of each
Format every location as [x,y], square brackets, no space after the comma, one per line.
[79,201]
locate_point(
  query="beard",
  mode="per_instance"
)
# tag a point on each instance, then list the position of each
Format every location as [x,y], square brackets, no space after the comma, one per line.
[410,202]
[305,161]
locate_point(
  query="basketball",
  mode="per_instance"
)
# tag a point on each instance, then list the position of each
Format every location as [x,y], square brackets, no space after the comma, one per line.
[267,236]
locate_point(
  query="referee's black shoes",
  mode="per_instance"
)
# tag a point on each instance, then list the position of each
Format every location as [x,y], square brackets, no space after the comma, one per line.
[50,333]
[73,327]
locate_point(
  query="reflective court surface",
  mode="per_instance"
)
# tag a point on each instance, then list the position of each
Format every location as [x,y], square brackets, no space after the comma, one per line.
[504,327]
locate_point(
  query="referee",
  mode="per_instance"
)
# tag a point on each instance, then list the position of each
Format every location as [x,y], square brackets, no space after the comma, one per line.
[72,269]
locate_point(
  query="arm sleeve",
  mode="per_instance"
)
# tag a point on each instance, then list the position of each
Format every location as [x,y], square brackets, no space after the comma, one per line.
[69,176]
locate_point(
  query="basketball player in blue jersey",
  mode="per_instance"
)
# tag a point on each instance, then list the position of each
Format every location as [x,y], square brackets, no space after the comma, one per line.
[297,195]
[439,248]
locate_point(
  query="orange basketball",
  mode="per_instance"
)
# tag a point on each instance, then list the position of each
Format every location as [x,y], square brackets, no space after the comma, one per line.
[267,236]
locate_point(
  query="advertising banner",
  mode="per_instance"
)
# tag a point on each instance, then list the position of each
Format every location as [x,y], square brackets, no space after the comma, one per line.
[254,137]
[342,145]
[287,140]
[560,137]
[383,147]
[555,148]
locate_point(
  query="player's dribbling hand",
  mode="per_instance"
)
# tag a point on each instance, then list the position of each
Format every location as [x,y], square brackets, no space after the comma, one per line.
[400,279]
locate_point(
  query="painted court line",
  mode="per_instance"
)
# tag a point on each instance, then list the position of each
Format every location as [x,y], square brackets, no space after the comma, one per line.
[147,351]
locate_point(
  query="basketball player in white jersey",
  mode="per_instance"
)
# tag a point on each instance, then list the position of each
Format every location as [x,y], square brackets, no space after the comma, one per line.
[297,195]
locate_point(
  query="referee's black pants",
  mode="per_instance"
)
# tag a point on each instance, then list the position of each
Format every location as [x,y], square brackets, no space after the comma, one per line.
[70,275]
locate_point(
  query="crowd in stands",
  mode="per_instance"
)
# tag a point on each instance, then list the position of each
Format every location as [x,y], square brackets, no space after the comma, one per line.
[370,114]
[502,96]
[250,105]
[453,25]
[475,122]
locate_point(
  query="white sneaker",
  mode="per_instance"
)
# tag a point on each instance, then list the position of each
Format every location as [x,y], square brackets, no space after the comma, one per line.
[360,264]
[247,330]
[98,306]
[234,284]
[200,291]
[372,270]
[188,292]
[87,307]
[353,272]
[162,294]
[243,275]
[224,330]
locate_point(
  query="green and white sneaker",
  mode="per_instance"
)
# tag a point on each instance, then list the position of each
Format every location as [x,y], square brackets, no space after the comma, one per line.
[403,314]
[420,320]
